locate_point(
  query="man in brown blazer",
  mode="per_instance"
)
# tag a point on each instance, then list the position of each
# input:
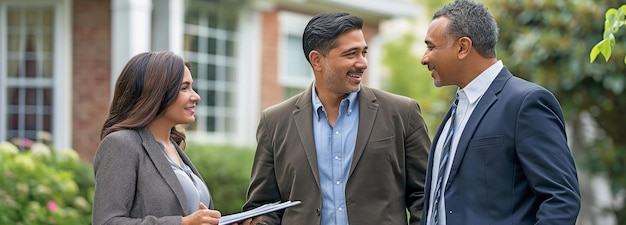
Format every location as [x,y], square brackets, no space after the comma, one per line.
[351,154]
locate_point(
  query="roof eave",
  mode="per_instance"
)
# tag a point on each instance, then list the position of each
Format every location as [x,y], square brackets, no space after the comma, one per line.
[369,10]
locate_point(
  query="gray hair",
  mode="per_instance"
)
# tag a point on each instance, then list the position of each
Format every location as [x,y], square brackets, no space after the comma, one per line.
[471,19]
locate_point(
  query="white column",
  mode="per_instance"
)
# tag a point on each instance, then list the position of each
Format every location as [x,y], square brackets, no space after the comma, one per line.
[249,51]
[62,121]
[131,21]
[375,59]
[169,22]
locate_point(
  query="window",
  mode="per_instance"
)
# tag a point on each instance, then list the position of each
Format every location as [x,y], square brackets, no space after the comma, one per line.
[210,45]
[30,70]
[295,73]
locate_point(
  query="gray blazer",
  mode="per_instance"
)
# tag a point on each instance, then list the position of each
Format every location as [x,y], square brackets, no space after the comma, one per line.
[135,183]
[386,177]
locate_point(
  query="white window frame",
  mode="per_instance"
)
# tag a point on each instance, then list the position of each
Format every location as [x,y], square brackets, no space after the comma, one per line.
[292,24]
[226,123]
[62,73]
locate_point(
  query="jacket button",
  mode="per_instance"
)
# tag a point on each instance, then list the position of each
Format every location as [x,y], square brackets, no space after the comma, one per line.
[318,211]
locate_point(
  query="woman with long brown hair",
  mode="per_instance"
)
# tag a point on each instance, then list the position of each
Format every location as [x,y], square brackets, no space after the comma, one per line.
[142,174]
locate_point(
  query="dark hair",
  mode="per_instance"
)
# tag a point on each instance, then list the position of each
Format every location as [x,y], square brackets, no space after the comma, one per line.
[148,84]
[323,29]
[471,19]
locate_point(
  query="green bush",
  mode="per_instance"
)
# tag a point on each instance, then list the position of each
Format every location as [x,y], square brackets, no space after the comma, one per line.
[226,170]
[40,185]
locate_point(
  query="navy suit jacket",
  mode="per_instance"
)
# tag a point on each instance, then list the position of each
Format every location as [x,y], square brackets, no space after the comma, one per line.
[512,164]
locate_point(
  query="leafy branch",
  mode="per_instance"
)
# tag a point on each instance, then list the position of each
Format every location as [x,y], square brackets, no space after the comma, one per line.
[614,19]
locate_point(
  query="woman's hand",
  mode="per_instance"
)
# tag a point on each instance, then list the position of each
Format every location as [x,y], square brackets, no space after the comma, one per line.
[203,216]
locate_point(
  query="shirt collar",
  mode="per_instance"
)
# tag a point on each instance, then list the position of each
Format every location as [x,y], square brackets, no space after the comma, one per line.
[477,87]
[319,108]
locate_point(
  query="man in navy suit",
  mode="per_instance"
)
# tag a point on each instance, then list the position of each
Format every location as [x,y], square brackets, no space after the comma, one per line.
[506,160]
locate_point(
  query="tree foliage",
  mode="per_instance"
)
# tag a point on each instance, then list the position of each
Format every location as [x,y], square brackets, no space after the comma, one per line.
[614,20]
[408,77]
[547,41]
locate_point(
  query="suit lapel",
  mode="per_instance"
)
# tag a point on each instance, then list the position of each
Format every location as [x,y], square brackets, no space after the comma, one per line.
[303,119]
[368,108]
[153,149]
[486,101]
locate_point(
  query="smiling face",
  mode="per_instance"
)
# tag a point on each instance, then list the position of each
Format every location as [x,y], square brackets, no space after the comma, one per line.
[182,111]
[341,71]
[440,56]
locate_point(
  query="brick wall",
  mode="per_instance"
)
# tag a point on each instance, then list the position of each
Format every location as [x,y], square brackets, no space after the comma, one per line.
[91,73]
[271,90]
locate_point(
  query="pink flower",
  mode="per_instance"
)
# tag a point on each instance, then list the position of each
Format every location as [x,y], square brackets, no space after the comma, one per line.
[27,143]
[52,206]
[22,142]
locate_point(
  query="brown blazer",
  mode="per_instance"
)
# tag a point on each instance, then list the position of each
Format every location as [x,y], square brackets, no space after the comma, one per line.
[135,183]
[387,173]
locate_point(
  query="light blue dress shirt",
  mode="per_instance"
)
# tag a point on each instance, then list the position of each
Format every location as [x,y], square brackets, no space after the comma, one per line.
[335,147]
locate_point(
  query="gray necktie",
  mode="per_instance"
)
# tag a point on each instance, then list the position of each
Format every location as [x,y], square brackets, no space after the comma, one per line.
[444,162]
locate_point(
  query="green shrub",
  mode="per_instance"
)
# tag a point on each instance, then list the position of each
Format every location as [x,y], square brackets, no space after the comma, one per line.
[226,170]
[40,185]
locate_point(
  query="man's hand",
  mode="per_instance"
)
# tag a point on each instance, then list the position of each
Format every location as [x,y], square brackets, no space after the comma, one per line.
[251,221]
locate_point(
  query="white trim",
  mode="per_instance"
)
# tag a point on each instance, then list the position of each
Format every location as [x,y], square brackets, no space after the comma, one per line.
[63,122]
[131,22]
[386,8]
[3,69]
[168,25]
[374,57]
[249,73]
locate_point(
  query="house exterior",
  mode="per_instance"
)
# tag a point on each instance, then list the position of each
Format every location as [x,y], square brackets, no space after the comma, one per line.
[59,59]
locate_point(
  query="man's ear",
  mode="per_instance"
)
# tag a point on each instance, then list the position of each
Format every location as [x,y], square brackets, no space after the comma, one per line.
[465,46]
[317,60]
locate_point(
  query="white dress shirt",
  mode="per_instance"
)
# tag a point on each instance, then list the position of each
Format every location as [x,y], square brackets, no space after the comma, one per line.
[468,99]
